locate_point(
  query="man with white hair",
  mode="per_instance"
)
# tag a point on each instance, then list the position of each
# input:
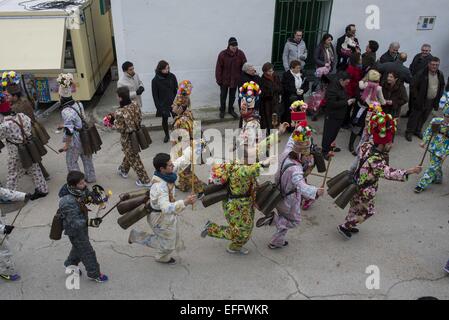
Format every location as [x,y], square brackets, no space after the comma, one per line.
[392,54]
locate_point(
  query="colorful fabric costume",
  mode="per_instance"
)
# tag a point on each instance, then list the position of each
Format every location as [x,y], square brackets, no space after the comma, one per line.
[372,166]
[164,219]
[185,121]
[11,132]
[439,150]
[293,172]
[7,267]
[127,120]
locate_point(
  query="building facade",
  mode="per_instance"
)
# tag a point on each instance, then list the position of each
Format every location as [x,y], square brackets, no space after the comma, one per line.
[190,34]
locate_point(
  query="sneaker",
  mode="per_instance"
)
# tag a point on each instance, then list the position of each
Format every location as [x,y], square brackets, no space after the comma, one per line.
[336,149]
[265,221]
[74,269]
[243,251]
[121,173]
[344,232]
[131,236]
[222,115]
[419,190]
[354,230]
[205,231]
[307,204]
[408,137]
[419,135]
[273,247]
[140,184]
[446,268]
[166,139]
[12,278]
[171,262]
[101,279]
[438,182]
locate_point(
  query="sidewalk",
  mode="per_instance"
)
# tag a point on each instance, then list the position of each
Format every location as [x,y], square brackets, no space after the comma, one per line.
[108,103]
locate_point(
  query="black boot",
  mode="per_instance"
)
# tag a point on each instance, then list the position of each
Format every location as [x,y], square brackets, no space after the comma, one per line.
[37,195]
[351,142]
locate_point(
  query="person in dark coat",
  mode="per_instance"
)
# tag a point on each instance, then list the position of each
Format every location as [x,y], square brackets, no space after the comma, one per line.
[392,54]
[338,103]
[325,53]
[395,95]
[271,95]
[227,74]
[426,90]
[164,87]
[343,60]
[294,86]
[420,62]
[356,73]
[397,67]
[369,58]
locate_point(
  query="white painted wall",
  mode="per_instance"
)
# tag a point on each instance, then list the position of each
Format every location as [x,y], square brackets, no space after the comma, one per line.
[190,35]
[398,22]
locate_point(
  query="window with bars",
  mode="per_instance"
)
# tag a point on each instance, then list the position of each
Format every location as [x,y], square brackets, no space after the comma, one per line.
[312,16]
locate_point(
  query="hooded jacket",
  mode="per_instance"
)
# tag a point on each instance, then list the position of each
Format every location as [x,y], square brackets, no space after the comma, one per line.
[74,219]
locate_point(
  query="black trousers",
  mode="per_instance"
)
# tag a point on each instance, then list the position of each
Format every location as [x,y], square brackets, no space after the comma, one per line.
[224,95]
[419,117]
[331,129]
[82,251]
[165,126]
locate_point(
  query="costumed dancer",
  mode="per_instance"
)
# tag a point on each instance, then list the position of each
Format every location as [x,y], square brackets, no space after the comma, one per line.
[7,267]
[19,104]
[72,113]
[241,179]
[438,148]
[294,162]
[74,198]
[127,119]
[373,166]
[184,121]
[165,209]
[16,130]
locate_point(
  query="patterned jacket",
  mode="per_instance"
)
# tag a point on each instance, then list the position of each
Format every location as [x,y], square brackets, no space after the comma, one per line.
[440,143]
[73,123]
[10,195]
[11,132]
[373,167]
[128,119]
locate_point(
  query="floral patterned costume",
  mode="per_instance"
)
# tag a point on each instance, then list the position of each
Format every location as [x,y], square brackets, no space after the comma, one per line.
[185,122]
[439,150]
[239,207]
[373,167]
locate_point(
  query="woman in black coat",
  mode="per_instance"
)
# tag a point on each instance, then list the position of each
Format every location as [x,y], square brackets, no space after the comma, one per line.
[271,92]
[295,86]
[164,87]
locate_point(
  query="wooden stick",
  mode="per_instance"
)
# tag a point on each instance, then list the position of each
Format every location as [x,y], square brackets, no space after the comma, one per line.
[48,146]
[12,224]
[112,209]
[327,172]
[427,150]
[319,175]
[193,170]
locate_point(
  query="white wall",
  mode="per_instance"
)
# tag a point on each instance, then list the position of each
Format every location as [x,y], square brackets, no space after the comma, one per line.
[190,35]
[398,22]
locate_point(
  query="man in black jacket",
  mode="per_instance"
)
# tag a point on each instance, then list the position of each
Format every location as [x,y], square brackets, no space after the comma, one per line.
[426,91]
[397,67]
[392,54]
[343,61]
[337,106]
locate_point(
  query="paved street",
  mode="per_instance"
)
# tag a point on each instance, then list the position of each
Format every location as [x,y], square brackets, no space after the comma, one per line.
[407,240]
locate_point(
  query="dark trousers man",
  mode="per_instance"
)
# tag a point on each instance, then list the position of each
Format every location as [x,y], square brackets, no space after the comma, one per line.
[418,117]
[82,251]
[331,129]
[223,96]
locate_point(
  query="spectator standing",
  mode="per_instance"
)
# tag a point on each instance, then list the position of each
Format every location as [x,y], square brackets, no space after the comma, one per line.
[369,58]
[346,42]
[397,67]
[421,60]
[295,86]
[227,73]
[295,49]
[164,87]
[325,53]
[131,80]
[395,95]
[426,90]
[271,96]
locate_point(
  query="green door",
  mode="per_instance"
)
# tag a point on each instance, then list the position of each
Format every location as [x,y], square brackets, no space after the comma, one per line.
[312,16]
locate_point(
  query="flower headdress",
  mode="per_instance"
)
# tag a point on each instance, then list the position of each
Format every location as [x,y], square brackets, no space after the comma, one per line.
[65,80]
[382,127]
[299,106]
[250,91]
[185,88]
[10,78]
[303,133]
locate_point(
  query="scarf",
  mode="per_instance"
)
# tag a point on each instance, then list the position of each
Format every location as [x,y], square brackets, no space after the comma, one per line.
[370,92]
[169,178]
[298,80]
[77,192]
[267,76]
